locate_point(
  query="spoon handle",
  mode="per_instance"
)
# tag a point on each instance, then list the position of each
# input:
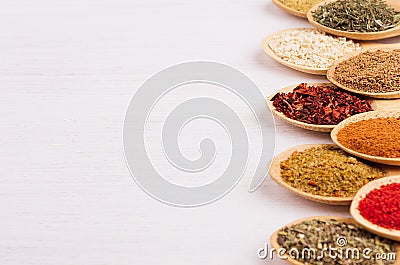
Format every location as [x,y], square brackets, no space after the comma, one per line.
[387,105]
[392,171]
[369,45]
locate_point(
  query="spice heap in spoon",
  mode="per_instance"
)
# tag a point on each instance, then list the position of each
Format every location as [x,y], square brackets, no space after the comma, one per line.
[382,206]
[310,47]
[374,137]
[312,238]
[372,71]
[327,171]
[319,105]
[300,5]
[357,15]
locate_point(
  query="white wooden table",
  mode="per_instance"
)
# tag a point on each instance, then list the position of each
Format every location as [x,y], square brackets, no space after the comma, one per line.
[68,70]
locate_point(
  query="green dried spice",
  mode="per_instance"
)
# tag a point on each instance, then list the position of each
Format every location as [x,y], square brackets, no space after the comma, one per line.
[327,171]
[345,240]
[300,5]
[357,15]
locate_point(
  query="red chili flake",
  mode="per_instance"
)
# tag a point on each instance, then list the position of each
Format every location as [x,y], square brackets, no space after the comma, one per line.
[312,183]
[382,206]
[320,105]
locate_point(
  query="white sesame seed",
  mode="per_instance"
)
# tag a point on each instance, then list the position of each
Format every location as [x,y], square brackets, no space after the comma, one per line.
[310,47]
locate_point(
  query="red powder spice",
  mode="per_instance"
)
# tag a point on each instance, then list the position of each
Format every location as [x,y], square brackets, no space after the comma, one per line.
[382,206]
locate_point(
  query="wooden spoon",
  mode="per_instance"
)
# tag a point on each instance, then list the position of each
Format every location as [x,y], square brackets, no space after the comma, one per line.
[375,104]
[275,173]
[290,10]
[356,35]
[302,68]
[373,228]
[360,117]
[331,74]
[276,246]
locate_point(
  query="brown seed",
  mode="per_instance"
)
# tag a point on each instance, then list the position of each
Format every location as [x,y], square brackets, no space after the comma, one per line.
[371,71]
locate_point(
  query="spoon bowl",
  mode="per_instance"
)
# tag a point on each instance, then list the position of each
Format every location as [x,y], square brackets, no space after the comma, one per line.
[360,117]
[290,10]
[393,32]
[275,173]
[307,69]
[362,193]
[277,246]
[331,74]
[376,104]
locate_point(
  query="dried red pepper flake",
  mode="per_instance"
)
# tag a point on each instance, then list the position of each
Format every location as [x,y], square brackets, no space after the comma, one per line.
[382,206]
[312,183]
[320,105]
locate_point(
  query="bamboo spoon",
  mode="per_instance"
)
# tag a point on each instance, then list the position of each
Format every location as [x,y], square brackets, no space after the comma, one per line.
[393,32]
[375,104]
[275,173]
[290,10]
[373,228]
[331,75]
[307,69]
[277,246]
[360,117]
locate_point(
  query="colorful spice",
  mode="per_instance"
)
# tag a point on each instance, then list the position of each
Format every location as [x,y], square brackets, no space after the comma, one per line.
[375,71]
[375,137]
[320,105]
[306,242]
[357,15]
[300,5]
[310,47]
[327,171]
[382,206]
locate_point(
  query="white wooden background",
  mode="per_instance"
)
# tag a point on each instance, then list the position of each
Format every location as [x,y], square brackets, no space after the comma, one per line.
[67,72]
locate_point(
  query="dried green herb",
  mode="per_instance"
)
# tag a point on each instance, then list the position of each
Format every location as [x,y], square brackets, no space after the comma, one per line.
[345,240]
[357,15]
[327,171]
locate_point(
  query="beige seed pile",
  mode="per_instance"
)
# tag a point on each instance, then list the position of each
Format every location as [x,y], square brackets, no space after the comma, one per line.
[300,5]
[310,47]
[371,71]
